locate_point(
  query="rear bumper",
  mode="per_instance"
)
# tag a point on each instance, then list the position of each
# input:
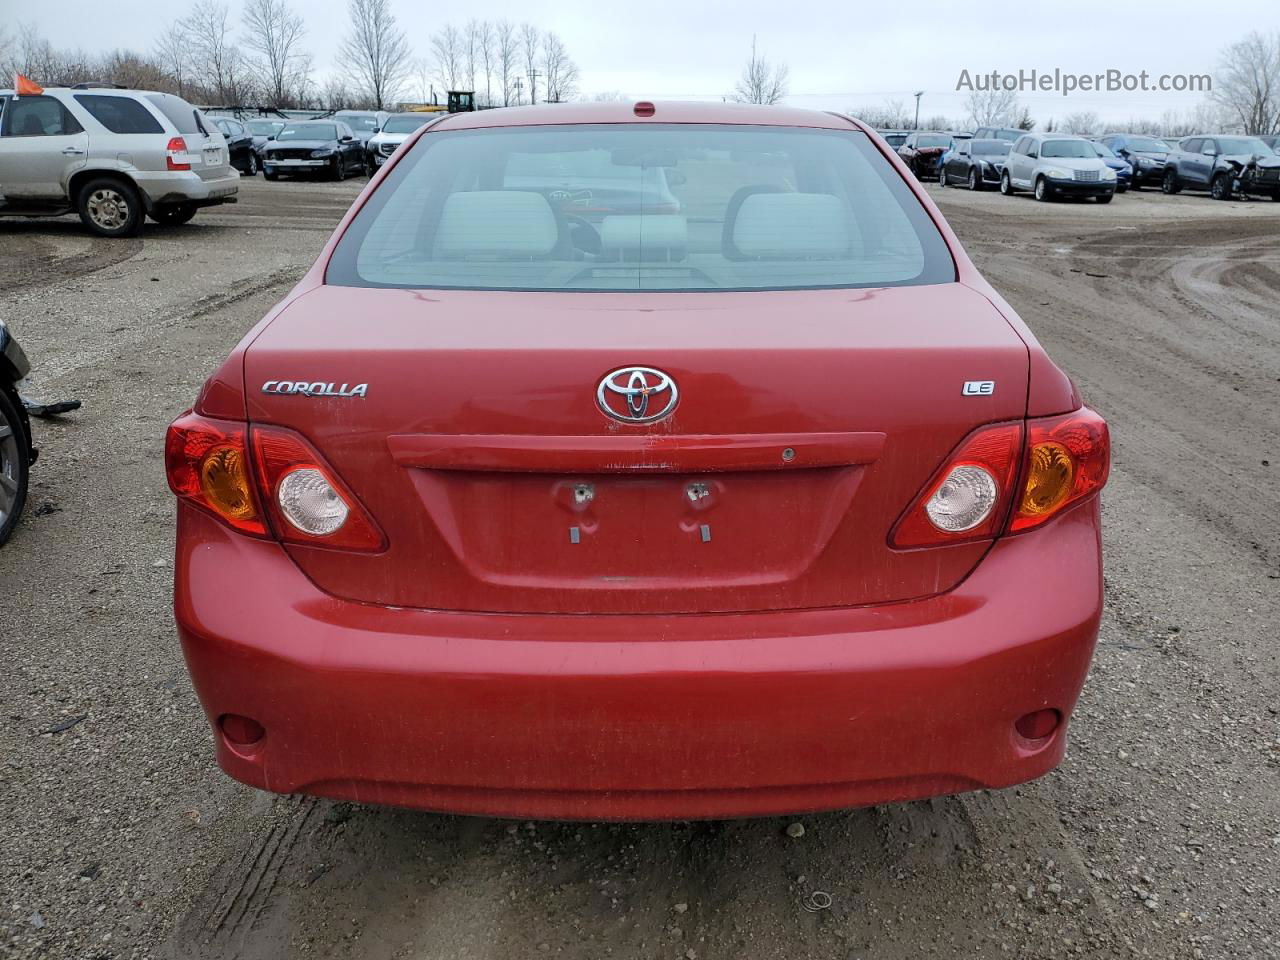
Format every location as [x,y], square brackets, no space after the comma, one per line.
[184,186]
[638,717]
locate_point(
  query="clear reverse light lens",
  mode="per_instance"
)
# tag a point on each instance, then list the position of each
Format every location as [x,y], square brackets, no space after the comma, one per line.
[964,500]
[309,503]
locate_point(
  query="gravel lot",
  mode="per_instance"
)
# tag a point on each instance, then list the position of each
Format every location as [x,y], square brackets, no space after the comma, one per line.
[1158,837]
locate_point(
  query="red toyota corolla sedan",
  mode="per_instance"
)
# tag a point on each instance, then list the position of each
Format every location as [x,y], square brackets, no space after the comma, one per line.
[639,461]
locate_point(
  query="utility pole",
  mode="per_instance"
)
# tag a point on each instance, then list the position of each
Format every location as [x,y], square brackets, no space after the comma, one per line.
[533,85]
[919,94]
[519,88]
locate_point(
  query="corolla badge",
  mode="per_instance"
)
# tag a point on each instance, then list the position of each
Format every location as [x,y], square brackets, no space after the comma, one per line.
[637,394]
[317,389]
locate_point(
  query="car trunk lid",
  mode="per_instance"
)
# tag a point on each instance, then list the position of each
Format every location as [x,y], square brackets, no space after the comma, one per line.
[806,422]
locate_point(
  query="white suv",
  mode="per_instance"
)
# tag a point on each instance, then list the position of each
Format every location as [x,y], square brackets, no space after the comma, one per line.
[394,131]
[1052,165]
[113,156]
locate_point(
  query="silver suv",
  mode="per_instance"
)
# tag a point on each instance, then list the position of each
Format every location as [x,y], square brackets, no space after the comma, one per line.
[1053,165]
[113,156]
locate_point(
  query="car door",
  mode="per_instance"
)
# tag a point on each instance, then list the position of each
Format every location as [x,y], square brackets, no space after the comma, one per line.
[350,145]
[41,145]
[1208,160]
[1019,164]
[957,166]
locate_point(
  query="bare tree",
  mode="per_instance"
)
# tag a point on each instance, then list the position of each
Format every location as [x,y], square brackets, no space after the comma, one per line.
[336,95]
[217,61]
[559,70]
[607,96]
[761,81]
[529,38]
[447,46]
[890,115]
[488,57]
[423,77]
[991,108]
[376,50]
[471,51]
[173,51]
[508,54]
[1081,122]
[1247,85]
[274,37]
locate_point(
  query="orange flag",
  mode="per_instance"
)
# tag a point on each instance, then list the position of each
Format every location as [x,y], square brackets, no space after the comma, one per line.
[26,88]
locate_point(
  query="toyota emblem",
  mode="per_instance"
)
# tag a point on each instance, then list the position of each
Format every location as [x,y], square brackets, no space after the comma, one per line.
[637,395]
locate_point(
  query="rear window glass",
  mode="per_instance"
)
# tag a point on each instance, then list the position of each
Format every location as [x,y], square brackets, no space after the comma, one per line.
[652,207]
[120,114]
[359,121]
[178,112]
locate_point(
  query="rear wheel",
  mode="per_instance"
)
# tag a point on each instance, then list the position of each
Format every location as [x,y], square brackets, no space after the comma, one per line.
[1220,189]
[173,214]
[14,464]
[110,207]
[1170,182]
[974,184]
[1042,190]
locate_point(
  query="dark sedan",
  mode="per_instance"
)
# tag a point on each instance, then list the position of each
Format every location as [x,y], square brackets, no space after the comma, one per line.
[263,132]
[239,145]
[325,147]
[977,163]
[1146,155]
[921,152]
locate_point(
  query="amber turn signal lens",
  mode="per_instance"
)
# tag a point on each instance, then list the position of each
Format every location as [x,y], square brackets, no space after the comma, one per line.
[1050,475]
[225,483]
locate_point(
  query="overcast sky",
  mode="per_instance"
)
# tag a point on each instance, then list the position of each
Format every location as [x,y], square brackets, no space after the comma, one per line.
[840,55]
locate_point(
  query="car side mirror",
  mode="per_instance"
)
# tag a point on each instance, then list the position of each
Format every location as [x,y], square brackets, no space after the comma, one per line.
[347,138]
[271,136]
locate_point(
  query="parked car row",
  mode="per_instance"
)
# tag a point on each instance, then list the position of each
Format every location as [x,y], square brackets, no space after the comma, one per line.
[1052,165]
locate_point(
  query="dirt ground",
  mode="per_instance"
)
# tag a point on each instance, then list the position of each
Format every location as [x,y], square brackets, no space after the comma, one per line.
[1158,837]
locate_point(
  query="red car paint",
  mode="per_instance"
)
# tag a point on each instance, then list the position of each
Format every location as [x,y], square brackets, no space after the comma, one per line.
[770,651]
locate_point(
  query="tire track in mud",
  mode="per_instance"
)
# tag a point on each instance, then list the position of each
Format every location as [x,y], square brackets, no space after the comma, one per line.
[28,259]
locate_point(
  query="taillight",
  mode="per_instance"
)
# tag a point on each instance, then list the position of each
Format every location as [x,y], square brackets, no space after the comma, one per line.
[265,480]
[207,463]
[1068,459]
[307,501]
[1000,472]
[175,155]
[968,498]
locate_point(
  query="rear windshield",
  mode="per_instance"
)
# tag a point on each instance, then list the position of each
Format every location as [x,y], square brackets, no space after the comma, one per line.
[405,124]
[119,114]
[180,113]
[1073,149]
[308,131]
[652,207]
[359,121]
